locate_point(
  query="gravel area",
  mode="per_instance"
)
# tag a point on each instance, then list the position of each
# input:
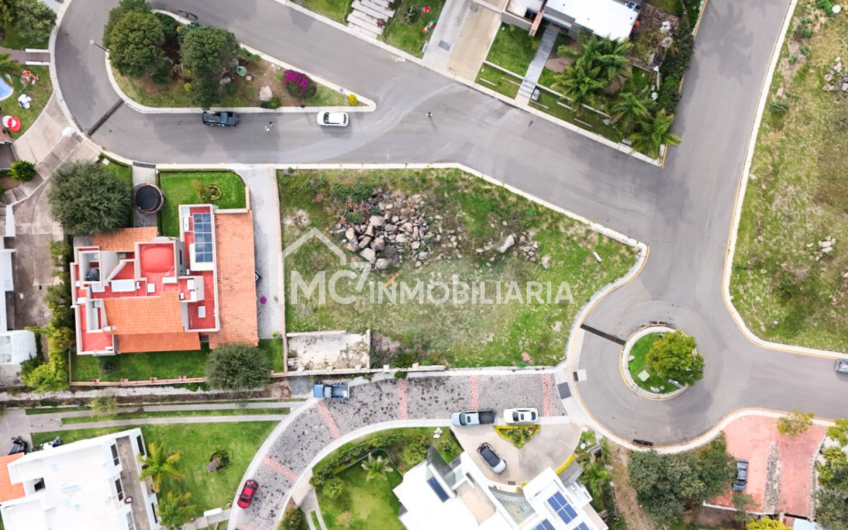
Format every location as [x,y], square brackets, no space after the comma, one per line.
[372,403]
[436,397]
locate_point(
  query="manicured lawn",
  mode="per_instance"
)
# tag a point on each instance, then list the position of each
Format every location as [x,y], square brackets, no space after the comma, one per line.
[546,99]
[197,442]
[367,502]
[498,81]
[334,9]
[547,78]
[670,6]
[39,92]
[784,288]
[173,414]
[13,40]
[513,49]
[457,334]
[411,37]
[55,410]
[178,189]
[121,171]
[163,365]
[639,351]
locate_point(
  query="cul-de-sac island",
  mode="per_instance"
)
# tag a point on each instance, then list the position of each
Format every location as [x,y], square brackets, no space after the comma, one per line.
[424,265]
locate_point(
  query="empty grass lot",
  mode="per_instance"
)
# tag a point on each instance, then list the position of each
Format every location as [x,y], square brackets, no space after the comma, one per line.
[197,442]
[797,195]
[174,414]
[178,189]
[510,333]
[411,37]
[513,49]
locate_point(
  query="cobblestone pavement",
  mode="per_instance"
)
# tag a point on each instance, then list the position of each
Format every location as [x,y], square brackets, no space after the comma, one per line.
[422,397]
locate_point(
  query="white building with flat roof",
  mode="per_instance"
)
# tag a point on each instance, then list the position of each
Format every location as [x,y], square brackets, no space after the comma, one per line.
[458,496]
[85,485]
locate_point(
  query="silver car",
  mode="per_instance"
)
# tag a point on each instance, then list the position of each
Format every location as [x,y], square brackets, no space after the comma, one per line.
[333,119]
[841,366]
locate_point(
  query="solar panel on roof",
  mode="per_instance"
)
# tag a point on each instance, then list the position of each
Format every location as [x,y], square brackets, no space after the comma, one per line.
[544,525]
[582,526]
[202,237]
[562,508]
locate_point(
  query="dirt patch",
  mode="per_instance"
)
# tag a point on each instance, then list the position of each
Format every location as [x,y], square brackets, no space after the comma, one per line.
[624,495]
[7,182]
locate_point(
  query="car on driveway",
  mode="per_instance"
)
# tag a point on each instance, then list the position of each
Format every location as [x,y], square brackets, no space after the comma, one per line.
[842,366]
[473,417]
[220,119]
[19,445]
[333,119]
[741,479]
[521,416]
[247,493]
[491,457]
[330,391]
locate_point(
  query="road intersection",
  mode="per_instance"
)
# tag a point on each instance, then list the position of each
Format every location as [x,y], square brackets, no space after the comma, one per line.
[682,212]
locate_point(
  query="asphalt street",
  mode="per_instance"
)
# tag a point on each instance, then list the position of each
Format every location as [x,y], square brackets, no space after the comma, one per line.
[682,212]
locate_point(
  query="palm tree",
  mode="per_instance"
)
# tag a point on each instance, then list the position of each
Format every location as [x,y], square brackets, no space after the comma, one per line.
[8,66]
[375,467]
[654,133]
[175,510]
[612,58]
[580,84]
[629,110]
[158,463]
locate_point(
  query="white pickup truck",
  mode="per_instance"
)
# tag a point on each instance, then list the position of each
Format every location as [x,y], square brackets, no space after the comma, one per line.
[473,417]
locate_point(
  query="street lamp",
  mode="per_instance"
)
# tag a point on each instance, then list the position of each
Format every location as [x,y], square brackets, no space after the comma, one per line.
[91,42]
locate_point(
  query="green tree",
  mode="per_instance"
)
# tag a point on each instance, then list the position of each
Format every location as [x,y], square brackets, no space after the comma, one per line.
[653,133]
[8,66]
[743,503]
[716,468]
[832,509]
[207,53]
[839,431]
[22,170]
[135,40]
[672,357]
[766,524]
[581,84]
[175,509]
[34,19]
[158,464]
[52,375]
[608,56]
[833,473]
[87,199]
[629,110]
[117,13]
[795,423]
[237,367]
[7,12]
[375,467]
[104,405]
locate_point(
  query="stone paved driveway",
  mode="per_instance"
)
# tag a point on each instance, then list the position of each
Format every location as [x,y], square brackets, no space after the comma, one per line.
[435,397]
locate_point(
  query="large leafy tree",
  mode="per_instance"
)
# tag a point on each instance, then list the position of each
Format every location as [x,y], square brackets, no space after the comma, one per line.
[87,199]
[629,110]
[237,367]
[135,40]
[7,12]
[653,133]
[672,357]
[116,14]
[832,508]
[33,19]
[375,467]
[158,464]
[207,53]
[175,509]
[581,84]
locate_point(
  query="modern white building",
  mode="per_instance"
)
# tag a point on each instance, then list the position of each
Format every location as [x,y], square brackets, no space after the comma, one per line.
[82,486]
[613,19]
[458,496]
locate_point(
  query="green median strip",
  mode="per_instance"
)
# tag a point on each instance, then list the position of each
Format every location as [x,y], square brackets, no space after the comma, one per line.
[174,414]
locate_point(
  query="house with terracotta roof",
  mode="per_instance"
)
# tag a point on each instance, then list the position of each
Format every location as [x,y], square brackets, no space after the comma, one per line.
[136,291]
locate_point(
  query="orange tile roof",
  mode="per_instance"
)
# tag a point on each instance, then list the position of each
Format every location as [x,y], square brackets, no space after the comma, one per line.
[125,239]
[158,342]
[9,491]
[141,315]
[236,281]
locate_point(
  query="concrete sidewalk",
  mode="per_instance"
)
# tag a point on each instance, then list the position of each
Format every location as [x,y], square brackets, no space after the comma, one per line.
[440,47]
[48,426]
[472,46]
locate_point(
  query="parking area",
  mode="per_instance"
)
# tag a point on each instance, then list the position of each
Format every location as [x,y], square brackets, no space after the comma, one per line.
[549,448]
[780,472]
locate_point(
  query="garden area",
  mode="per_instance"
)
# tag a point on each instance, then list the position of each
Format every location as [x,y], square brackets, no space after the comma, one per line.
[790,267]
[467,231]
[514,48]
[406,30]
[196,443]
[498,81]
[518,435]
[354,484]
[657,359]
[37,86]
[158,62]
[197,187]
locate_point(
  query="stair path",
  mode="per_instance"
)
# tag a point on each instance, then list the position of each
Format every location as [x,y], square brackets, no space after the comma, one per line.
[366,15]
[534,71]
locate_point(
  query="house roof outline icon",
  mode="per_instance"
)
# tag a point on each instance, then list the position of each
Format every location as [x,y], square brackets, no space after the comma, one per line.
[314,232]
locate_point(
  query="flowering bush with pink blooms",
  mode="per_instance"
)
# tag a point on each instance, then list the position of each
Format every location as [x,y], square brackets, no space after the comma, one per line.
[299,84]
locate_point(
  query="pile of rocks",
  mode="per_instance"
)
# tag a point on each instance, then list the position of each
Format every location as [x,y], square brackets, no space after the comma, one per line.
[823,248]
[834,79]
[527,248]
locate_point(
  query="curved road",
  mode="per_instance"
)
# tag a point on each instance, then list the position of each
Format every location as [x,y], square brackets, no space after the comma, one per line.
[682,212]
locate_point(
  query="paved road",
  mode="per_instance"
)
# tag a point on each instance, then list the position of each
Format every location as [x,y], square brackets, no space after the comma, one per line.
[682,212]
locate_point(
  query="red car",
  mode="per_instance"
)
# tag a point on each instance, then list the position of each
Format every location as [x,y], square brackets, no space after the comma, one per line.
[247,493]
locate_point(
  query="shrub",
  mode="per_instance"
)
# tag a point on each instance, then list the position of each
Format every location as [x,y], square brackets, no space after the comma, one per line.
[52,375]
[796,423]
[344,519]
[104,405]
[353,100]
[22,171]
[88,199]
[805,50]
[518,435]
[779,107]
[825,5]
[299,84]
[334,488]
[237,367]
[293,519]
[273,103]
[218,461]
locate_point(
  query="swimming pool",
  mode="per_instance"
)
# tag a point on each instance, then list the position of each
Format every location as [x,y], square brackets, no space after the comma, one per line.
[5,89]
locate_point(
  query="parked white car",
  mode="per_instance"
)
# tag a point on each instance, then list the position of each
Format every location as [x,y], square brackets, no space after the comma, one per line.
[333,119]
[521,416]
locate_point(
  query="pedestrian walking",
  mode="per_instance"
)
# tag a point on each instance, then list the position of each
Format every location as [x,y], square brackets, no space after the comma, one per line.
[270,125]
[430,115]
[530,124]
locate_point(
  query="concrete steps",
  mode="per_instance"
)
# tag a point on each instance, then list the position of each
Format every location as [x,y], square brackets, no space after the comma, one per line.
[526,88]
[364,21]
[366,16]
[372,8]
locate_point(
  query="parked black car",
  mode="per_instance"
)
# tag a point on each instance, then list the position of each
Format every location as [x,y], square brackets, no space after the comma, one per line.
[221,119]
[491,457]
[19,445]
[741,475]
